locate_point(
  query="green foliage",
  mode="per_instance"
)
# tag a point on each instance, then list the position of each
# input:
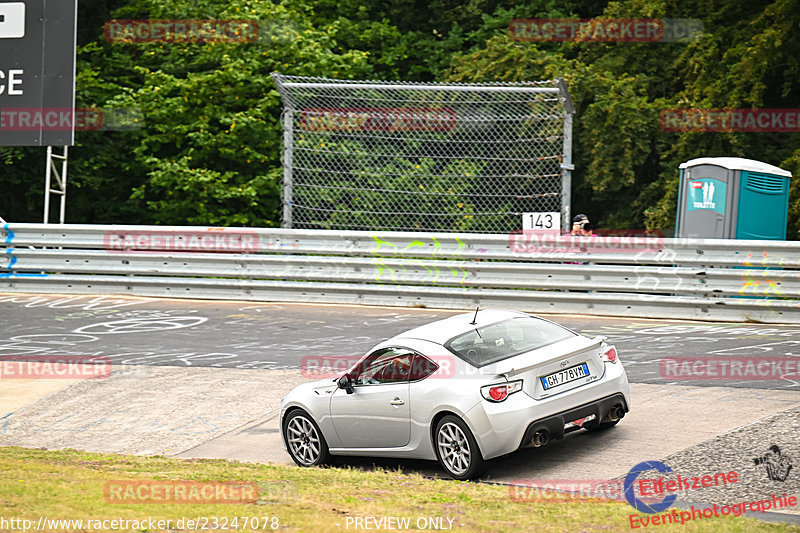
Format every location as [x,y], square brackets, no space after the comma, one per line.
[626,165]
[207,149]
[208,146]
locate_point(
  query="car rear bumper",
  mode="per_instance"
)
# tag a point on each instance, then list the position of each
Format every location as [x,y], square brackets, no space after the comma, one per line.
[502,428]
[553,426]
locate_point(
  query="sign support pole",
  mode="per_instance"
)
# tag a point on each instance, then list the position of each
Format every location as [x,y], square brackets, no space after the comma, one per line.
[51,169]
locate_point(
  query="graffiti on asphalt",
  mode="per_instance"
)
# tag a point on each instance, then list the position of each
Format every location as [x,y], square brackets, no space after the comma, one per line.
[128,420]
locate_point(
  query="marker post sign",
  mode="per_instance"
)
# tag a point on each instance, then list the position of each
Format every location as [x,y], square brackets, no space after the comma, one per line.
[37,72]
[541,221]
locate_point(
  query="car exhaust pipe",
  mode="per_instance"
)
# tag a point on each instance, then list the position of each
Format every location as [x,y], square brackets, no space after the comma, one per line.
[616,413]
[540,438]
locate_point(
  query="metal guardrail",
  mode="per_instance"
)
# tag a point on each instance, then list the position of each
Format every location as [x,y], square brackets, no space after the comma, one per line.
[665,278]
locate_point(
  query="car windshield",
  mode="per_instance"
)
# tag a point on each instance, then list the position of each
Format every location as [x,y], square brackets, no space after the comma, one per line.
[496,342]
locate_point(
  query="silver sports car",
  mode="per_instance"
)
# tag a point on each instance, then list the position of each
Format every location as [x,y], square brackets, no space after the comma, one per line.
[461,390]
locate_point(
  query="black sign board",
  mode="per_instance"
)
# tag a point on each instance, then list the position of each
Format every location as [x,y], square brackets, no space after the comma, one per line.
[37,72]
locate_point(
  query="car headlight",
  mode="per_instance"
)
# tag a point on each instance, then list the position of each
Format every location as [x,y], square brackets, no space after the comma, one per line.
[500,391]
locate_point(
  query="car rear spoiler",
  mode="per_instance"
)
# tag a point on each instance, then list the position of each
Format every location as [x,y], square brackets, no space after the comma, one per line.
[525,362]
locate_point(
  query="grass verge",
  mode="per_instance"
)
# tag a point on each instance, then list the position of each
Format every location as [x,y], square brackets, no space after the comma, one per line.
[72,485]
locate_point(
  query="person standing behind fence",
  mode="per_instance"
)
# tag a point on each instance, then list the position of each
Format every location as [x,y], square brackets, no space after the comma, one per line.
[581,227]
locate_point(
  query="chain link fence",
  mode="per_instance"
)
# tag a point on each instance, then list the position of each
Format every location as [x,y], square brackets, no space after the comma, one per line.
[423,157]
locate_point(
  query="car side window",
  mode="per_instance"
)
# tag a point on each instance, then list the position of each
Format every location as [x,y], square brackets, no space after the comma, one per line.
[389,365]
[422,367]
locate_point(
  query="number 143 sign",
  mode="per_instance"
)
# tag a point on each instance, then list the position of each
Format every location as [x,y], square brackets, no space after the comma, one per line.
[541,221]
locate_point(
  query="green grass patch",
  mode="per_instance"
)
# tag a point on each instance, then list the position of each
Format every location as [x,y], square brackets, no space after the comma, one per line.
[69,484]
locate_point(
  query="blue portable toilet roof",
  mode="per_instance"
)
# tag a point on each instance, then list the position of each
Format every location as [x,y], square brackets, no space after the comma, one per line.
[738,163]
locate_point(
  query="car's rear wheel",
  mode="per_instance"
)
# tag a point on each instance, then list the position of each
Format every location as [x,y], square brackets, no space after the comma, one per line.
[457,449]
[304,440]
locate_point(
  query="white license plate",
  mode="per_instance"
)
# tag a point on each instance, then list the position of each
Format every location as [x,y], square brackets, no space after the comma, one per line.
[565,376]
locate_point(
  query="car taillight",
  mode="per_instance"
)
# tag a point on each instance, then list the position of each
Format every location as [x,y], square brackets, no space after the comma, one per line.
[609,355]
[501,391]
[498,393]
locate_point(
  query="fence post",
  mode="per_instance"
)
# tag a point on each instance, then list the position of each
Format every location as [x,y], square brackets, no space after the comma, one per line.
[566,165]
[288,146]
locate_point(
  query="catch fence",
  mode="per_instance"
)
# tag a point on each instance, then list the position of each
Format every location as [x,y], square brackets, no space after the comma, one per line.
[364,155]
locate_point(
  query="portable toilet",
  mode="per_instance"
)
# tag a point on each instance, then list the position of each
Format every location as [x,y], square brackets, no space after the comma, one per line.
[732,198]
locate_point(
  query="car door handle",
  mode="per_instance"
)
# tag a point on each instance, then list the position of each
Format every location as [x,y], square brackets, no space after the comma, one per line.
[397,401]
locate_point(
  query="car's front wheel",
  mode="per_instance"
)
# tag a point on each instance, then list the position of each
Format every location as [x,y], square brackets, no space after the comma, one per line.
[304,440]
[457,449]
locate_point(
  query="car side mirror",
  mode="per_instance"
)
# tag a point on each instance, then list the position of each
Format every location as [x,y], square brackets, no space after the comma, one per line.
[346,383]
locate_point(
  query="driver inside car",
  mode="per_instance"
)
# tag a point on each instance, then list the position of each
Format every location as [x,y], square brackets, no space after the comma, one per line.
[397,369]
[389,371]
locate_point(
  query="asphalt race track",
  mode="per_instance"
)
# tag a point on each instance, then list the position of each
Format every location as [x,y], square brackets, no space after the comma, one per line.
[192,333]
[204,379]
